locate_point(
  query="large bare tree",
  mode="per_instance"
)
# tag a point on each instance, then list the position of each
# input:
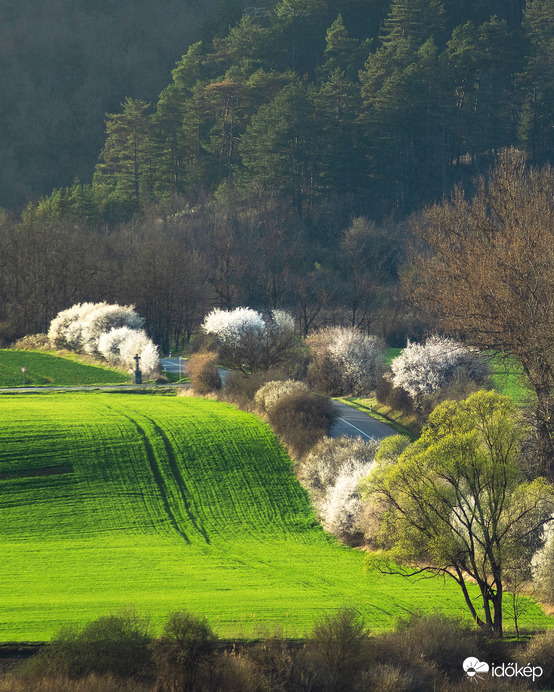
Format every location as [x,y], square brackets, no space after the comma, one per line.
[483,268]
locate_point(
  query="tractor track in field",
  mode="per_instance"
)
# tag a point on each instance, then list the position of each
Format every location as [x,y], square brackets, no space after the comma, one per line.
[179,480]
[158,477]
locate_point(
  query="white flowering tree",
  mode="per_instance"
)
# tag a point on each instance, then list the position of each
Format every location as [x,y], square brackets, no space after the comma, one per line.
[345,361]
[106,318]
[120,346]
[250,342]
[80,327]
[331,472]
[113,332]
[342,509]
[66,329]
[424,369]
[543,565]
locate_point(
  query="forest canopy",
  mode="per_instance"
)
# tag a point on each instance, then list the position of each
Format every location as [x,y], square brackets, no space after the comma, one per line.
[381,104]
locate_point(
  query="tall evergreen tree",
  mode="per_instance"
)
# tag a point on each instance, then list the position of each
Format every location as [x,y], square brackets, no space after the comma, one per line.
[342,169]
[415,20]
[537,80]
[401,112]
[126,159]
[343,53]
[278,148]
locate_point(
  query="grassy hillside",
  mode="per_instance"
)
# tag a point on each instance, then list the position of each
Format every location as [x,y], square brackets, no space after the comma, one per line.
[46,369]
[109,500]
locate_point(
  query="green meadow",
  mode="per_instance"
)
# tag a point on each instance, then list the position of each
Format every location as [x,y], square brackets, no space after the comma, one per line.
[116,500]
[47,369]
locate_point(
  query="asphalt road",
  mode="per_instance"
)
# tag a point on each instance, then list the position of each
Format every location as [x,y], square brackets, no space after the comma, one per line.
[356,423]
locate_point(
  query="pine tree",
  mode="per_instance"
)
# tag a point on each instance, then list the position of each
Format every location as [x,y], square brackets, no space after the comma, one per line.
[126,159]
[343,53]
[278,148]
[537,80]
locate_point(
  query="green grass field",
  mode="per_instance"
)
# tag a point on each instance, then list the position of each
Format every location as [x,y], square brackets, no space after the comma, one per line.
[47,369]
[113,500]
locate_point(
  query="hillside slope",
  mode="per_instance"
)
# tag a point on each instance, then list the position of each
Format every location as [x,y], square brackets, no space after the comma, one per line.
[48,369]
[112,500]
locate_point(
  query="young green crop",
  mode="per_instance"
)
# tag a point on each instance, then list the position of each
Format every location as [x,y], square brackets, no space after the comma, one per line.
[46,369]
[111,500]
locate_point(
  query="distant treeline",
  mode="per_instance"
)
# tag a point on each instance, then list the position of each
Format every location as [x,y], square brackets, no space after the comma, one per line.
[174,267]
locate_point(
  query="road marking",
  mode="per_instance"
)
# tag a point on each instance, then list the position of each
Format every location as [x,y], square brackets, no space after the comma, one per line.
[358,429]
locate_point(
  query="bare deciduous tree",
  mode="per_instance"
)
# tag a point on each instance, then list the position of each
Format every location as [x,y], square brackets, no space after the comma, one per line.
[484,269]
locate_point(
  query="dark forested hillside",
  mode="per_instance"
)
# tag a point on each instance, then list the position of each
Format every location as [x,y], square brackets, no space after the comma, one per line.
[378,107]
[63,65]
[270,164]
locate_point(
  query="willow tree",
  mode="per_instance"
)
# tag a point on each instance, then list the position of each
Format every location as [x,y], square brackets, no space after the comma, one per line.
[456,502]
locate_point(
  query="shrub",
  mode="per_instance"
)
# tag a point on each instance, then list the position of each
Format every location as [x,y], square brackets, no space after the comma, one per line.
[441,641]
[33,342]
[540,652]
[116,644]
[339,642]
[249,342]
[425,652]
[424,369]
[387,678]
[90,683]
[203,373]
[320,468]
[344,361]
[186,645]
[342,508]
[267,396]
[240,389]
[400,400]
[383,388]
[301,420]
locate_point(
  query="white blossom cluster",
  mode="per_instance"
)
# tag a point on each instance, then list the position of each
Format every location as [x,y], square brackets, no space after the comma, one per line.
[331,473]
[119,346]
[423,369]
[356,359]
[233,327]
[248,340]
[342,507]
[101,329]
[542,564]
